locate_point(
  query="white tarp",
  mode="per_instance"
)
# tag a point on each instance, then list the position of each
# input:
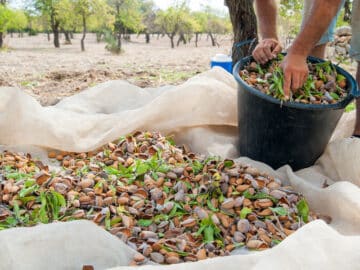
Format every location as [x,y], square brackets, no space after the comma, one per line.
[202,114]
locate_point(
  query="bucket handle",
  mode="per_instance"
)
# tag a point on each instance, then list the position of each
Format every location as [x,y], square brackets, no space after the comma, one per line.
[252,43]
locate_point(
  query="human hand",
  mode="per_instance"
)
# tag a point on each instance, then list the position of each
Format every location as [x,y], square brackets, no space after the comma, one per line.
[266,50]
[295,72]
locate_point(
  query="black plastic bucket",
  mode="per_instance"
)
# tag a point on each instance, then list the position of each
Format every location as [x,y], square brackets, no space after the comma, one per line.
[279,133]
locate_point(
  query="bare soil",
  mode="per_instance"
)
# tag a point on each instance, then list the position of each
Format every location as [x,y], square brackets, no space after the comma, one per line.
[50,74]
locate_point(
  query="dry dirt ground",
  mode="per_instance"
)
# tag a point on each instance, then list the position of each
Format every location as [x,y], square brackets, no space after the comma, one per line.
[49,74]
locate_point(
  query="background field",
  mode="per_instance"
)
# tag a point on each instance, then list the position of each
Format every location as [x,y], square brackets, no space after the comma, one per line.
[49,74]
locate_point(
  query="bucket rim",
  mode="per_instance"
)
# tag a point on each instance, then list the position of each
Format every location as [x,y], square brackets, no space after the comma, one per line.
[352,87]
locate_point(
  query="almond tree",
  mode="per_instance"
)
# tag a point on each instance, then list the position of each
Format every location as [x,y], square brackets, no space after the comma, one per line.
[5,17]
[244,24]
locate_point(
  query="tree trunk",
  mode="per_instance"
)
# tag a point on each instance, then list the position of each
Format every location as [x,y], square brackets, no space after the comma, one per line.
[48,35]
[72,34]
[119,41]
[213,42]
[56,38]
[243,19]
[1,39]
[196,39]
[55,29]
[171,36]
[147,37]
[67,37]
[84,34]
[181,38]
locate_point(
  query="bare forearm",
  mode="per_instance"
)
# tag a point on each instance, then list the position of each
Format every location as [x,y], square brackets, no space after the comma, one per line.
[266,11]
[321,14]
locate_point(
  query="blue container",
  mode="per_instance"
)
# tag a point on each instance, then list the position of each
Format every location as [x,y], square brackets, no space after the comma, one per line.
[222,60]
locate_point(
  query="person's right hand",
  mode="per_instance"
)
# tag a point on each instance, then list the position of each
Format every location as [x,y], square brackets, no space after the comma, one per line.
[266,50]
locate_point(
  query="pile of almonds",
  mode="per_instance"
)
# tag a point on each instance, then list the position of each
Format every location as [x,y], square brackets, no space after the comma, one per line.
[167,203]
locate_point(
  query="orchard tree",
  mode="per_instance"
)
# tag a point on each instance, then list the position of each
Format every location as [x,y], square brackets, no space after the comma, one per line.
[51,8]
[102,21]
[168,22]
[5,18]
[200,24]
[147,8]
[173,21]
[18,22]
[69,20]
[244,24]
[216,25]
[127,18]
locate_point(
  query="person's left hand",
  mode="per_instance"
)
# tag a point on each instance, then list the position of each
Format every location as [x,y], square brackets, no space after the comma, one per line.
[295,71]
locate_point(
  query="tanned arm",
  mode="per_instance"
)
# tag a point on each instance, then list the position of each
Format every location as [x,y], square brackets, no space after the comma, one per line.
[269,45]
[294,64]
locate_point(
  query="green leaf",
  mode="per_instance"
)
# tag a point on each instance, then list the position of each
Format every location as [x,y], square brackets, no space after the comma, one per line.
[209,234]
[115,220]
[111,170]
[340,78]
[334,96]
[244,212]
[281,211]
[259,195]
[26,191]
[144,222]
[142,168]
[163,168]
[239,245]
[169,249]
[211,206]
[228,163]
[107,221]
[303,210]
[276,241]
[17,176]
[350,107]
[160,217]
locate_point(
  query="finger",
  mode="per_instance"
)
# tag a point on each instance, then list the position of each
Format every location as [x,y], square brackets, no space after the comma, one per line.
[296,81]
[256,56]
[262,57]
[287,84]
[268,53]
[277,49]
[304,79]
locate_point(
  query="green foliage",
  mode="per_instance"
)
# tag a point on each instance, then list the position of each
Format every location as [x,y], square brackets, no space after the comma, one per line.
[303,210]
[5,18]
[18,21]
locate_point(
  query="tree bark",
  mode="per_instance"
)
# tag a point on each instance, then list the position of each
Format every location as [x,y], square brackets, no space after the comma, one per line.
[119,41]
[48,35]
[244,24]
[147,37]
[171,36]
[1,39]
[84,34]
[56,38]
[181,38]
[213,41]
[196,39]
[67,37]
[55,29]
